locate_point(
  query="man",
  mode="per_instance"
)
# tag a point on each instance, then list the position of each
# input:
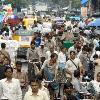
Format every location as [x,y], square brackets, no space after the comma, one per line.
[62,58]
[2,66]
[32,56]
[3,47]
[10,87]
[76,82]
[35,94]
[42,85]
[84,58]
[73,64]
[94,87]
[2,58]
[42,52]
[51,50]
[74,47]
[69,91]
[32,53]
[97,64]
[22,76]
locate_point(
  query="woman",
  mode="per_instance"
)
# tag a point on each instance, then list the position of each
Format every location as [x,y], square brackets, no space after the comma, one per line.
[49,68]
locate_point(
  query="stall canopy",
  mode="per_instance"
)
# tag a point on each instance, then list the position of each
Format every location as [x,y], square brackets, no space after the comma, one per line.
[95,23]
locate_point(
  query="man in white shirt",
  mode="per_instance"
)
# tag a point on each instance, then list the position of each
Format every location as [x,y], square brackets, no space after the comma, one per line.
[62,58]
[10,87]
[94,87]
[42,52]
[36,94]
[41,85]
[97,52]
[73,64]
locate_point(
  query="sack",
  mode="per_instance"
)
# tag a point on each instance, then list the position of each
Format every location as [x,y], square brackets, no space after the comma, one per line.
[54,85]
[61,76]
[49,77]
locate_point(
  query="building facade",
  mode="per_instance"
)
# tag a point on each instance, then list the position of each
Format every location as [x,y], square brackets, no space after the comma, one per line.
[95,5]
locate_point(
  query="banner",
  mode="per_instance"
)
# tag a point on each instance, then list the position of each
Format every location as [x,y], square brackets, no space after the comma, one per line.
[8,9]
[83,2]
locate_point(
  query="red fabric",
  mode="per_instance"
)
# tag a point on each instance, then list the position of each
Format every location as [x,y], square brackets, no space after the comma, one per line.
[13,22]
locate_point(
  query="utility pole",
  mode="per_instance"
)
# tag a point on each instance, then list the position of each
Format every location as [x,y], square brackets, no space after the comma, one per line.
[89,7]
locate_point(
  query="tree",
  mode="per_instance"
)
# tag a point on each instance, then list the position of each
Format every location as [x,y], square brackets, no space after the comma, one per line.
[75,3]
[19,2]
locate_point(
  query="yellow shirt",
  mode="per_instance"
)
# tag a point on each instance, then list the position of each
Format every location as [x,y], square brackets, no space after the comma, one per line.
[41,95]
[25,20]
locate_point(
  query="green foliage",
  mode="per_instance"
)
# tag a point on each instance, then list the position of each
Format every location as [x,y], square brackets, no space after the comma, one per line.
[19,2]
[62,3]
[75,3]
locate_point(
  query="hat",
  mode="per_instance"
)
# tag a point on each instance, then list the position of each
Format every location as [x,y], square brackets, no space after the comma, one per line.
[42,43]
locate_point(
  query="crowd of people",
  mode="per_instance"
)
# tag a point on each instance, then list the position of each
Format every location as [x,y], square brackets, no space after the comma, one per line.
[54,72]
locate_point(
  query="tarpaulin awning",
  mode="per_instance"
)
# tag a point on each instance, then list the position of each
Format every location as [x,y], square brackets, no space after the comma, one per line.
[95,22]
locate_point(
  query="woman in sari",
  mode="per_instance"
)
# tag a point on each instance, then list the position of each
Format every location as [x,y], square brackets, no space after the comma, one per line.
[49,69]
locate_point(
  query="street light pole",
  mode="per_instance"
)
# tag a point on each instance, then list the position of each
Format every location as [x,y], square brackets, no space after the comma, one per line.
[70,5]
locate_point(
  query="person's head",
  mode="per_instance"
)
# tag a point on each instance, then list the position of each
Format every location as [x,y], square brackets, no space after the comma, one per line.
[78,49]
[76,43]
[35,86]
[77,74]
[35,22]
[8,72]
[68,88]
[97,48]
[6,61]
[32,45]
[63,49]
[98,76]
[2,58]
[51,49]
[54,56]
[3,45]
[72,54]
[95,56]
[84,49]
[19,66]
[40,79]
